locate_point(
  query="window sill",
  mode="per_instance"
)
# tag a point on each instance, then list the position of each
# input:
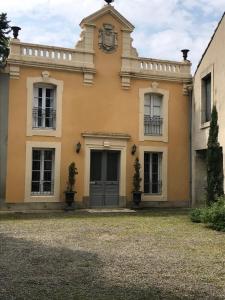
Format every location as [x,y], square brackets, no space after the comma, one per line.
[42,198]
[158,138]
[148,197]
[43,132]
[205,125]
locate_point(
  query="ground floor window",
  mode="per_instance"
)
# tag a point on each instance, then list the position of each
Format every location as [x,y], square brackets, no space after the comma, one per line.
[153,173]
[43,161]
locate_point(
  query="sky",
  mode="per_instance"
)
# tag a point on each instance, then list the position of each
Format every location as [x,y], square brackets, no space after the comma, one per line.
[162,27]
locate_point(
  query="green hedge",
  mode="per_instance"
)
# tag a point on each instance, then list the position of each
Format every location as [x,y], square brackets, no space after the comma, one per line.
[213,216]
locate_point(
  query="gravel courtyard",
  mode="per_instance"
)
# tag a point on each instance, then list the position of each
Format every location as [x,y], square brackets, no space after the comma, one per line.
[143,255]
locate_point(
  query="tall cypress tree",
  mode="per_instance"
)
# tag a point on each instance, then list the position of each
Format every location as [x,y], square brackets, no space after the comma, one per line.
[4,39]
[214,161]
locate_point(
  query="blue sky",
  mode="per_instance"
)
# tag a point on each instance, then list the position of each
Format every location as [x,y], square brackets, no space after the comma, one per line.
[162,27]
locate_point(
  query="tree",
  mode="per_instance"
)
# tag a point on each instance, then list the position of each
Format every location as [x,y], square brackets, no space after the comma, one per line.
[215,175]
[4,39]
[137,178]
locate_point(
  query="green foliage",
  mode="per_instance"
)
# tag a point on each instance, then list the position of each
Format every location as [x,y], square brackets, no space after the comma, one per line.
[72,172]
[4,39]
[214,162]
[137,178]
[196,215]
[213,216]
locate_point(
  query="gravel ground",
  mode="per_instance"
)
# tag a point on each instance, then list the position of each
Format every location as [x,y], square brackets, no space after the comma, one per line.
[144,255]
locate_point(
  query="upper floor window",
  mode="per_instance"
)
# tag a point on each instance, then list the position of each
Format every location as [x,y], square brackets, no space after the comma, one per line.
[153,120]
[44,107]
[206,98]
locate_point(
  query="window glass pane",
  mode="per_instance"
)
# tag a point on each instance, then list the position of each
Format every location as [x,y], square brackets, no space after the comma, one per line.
[47,175]
[48,93]
[36,176]
[48,154]
[112,165]
[35,187]
[48,165]
[157,102]
[40,92]
[36,165]
[96,166]
[146,173]
[36,154]
[47,187]
[206,98]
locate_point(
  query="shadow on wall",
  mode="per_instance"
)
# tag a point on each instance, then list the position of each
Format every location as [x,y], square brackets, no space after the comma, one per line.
[30,270]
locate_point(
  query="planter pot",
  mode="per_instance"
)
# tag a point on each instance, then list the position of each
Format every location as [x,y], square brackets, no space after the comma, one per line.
[69,198]
[137,197]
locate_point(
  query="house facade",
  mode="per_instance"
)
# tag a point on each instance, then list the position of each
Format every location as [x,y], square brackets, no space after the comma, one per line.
[99,105]
[208,89]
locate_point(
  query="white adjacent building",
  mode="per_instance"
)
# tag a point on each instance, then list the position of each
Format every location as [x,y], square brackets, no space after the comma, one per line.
[208,89]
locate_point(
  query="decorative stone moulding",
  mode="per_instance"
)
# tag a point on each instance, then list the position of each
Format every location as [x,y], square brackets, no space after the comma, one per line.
[45,75]
[187,88]
[107,39]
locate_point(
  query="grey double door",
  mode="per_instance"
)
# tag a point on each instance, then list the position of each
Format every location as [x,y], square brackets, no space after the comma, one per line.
[104,178]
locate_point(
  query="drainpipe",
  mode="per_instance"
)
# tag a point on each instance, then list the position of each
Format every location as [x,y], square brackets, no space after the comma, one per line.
[190,89]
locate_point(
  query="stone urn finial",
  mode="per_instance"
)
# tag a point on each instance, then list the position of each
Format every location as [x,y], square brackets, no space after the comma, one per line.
[185,53]
[109,1]
[15,30]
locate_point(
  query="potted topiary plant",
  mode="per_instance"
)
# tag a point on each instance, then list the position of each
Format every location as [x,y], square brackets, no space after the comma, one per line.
[70,193]
[137,183]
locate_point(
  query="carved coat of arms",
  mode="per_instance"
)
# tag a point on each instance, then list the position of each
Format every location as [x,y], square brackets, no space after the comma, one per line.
[108,38]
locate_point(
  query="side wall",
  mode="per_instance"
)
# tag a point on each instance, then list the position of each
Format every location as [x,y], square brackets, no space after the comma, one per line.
[213,62]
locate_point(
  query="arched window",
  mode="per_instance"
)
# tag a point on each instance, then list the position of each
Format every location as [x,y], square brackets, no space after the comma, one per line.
[153,121]
[44,106]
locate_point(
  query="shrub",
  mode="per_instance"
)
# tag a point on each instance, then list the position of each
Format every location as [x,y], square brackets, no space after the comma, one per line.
[214,216]
[196,215]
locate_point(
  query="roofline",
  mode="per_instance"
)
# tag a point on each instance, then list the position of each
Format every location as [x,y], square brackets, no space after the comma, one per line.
[204,53]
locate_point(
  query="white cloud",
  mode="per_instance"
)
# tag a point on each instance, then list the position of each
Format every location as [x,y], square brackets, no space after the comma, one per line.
[163,28]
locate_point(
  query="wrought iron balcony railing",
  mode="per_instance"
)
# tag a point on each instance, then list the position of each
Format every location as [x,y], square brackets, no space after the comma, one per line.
[44,118]
[153,125]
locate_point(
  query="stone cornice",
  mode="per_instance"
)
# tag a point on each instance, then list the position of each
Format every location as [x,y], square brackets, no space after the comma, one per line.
[51,66]
[158,77]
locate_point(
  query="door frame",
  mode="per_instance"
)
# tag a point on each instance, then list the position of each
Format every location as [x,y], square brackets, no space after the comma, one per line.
[104,182]
[98,142]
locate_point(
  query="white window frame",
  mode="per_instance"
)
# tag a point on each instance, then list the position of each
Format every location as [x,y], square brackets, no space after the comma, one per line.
[164,114]
[150,172]
[42,171]
[151,111]
[164,176]
[44,87]
[31,83]
[55,197]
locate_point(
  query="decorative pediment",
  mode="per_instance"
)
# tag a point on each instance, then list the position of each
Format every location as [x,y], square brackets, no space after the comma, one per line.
[107,9]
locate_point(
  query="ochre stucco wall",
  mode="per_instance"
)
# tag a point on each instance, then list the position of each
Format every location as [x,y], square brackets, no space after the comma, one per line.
[104,106]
